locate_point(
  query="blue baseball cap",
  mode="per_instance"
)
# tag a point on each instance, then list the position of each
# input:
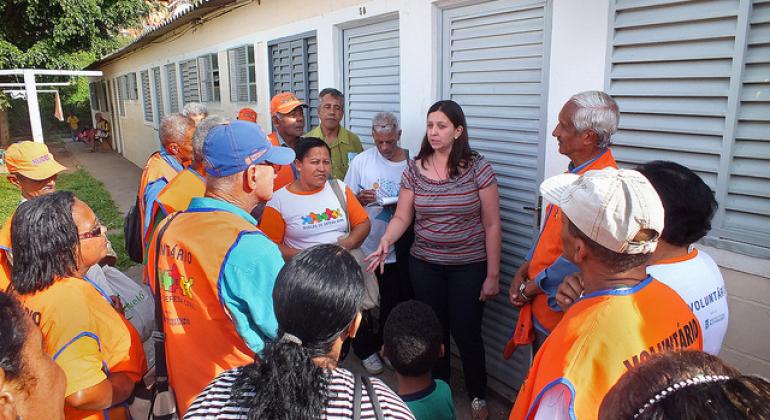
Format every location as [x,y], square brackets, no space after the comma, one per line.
[232,147]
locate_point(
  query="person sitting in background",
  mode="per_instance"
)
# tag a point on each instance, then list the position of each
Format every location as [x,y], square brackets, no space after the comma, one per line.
[412,339]
[247,114]
[317,300]
[288,115]
[689,205]
[31,384]
[686,385]
[612,220]
[343,143]
[98,349]
[195,110]
[102,132]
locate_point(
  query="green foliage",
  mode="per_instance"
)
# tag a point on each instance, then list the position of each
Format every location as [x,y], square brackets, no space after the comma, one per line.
[9,198]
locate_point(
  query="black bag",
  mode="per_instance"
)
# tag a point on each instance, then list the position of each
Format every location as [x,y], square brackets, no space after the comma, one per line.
[357,382]
[132,233]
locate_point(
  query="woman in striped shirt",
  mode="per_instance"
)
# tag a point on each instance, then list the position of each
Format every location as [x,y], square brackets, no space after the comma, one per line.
[451,192]
[317,301]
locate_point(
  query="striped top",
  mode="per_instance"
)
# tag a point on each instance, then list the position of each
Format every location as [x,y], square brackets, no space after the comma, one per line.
[216,402]
[447,214]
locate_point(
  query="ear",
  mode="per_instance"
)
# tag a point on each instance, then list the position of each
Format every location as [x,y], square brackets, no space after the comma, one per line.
[590,138]
[441,351]
[250,178]
[14,180]
[353,328]
[458,130]
[172,148]
[7,409]
[581,251]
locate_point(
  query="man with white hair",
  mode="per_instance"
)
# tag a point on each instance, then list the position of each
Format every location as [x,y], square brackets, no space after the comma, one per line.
[375,177]
[586,124]
[195,110]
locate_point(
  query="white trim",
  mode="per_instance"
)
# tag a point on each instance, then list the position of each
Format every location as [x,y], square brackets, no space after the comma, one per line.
[738,262]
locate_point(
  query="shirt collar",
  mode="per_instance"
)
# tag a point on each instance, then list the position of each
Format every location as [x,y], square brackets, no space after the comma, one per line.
[576,170]
[217,204]
[171,160]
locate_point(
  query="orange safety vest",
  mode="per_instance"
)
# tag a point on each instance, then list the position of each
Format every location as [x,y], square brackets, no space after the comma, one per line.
[603,335]
[5,247]
[176,196]
[119,345]
[547,250]
[201,340]
[155,169]
[285,175]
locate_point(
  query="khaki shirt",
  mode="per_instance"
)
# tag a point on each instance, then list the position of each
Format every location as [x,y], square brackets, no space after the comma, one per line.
[347,143]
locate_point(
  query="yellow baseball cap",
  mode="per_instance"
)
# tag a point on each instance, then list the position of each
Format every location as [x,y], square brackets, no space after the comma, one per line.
[284,102]
[32,160]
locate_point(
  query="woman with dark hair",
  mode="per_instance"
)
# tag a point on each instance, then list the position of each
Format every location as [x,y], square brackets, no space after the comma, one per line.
[451,192]
[56,238]
[686,385]
[317,301]
[31,385]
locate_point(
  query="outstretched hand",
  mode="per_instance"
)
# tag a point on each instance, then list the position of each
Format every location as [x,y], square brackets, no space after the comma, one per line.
[377,258]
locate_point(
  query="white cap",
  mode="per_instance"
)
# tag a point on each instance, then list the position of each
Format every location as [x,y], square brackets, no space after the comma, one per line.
[610,206]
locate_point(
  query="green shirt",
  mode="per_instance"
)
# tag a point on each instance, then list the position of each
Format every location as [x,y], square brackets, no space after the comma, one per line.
[432,403]
[347,146]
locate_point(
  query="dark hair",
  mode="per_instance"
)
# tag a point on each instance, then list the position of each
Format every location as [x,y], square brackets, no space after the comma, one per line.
[13,335]
[45,242]
[461,154]
[316,296]
[412,337]
[739,397]
[331,91]
[687,200]
[615,262]
[305,144]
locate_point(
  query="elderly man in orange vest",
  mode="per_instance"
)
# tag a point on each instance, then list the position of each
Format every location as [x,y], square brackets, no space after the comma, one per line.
[288,114]
[215,269]
[610,229]
[586,124]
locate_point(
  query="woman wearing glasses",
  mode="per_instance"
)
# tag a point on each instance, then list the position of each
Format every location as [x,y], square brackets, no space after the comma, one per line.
[56,238]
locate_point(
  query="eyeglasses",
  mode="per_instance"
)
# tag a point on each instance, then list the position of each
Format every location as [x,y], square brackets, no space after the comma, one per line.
[276,167]
[96,232]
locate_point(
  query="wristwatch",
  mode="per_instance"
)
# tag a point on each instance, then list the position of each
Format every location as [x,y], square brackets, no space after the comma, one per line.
[522,288]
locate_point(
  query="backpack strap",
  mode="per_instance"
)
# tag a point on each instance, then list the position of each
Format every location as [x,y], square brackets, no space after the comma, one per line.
[161,370]
[341,198]
[356,396]
[373,397]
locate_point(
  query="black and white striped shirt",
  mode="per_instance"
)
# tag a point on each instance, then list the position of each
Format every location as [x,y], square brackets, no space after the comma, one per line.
[216,402]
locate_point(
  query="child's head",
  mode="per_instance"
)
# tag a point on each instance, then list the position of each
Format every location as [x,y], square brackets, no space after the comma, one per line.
[412,337]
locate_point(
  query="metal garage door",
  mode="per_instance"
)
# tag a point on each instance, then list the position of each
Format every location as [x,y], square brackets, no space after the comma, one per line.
[493,58]
[370,61]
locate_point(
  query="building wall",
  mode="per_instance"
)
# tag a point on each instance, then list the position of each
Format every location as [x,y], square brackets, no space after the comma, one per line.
[577,61]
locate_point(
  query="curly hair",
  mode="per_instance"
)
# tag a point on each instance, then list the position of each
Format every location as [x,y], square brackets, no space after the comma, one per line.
[689,203]
[412,337]
[728,395]
[45,242]
[316,297]
[14,329]
[461,154]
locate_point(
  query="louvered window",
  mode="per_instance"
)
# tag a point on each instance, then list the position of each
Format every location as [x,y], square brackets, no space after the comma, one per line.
[173,89]
[158,94]
[133,93]
[93,96]
[122,90]
[189,75]
[294,68]
[146,96]
[101,92]
[208,73]
[243,86]
[371,68]
[692,80]
[493,65]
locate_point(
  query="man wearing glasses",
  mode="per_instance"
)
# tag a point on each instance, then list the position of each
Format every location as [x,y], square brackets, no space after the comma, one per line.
[288,115]
[345,144]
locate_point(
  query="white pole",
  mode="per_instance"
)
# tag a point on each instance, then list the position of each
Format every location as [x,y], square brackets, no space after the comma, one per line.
[33,106]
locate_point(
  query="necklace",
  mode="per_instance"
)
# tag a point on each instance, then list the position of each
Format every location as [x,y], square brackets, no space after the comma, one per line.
[438,176]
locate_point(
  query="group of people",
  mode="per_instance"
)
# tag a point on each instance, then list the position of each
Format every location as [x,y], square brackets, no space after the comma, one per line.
[260,250]
[94,137]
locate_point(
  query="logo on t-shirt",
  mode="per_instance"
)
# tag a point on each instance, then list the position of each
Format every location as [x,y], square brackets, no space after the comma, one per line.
[315,218]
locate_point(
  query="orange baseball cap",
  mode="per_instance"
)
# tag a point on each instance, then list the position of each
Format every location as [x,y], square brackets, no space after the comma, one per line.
[247,114]
[32,160]
[284,103]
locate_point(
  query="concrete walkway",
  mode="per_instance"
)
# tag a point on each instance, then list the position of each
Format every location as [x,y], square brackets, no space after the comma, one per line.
[121,179]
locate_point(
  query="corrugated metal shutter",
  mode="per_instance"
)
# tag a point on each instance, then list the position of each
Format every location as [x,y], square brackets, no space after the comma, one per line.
[204,75]
[173,88]
[146,96]
[493,58]
[294,68]
[190,85]
[160,112]
[370,60]
[122,92]
[677,72]
[238,65]
[117,134]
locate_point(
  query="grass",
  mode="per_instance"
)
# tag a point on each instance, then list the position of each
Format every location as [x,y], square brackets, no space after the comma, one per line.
[93,193]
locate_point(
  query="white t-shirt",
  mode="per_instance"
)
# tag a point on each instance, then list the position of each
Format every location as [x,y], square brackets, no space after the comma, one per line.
[371,171]
[699,282]
[310,219]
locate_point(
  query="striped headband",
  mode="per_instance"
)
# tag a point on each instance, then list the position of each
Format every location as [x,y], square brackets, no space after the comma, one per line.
[700,379]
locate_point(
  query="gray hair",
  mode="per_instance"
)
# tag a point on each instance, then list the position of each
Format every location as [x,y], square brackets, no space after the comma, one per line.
[201,131]
[194,108]
[598,112]
[385,123]
[174,127]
